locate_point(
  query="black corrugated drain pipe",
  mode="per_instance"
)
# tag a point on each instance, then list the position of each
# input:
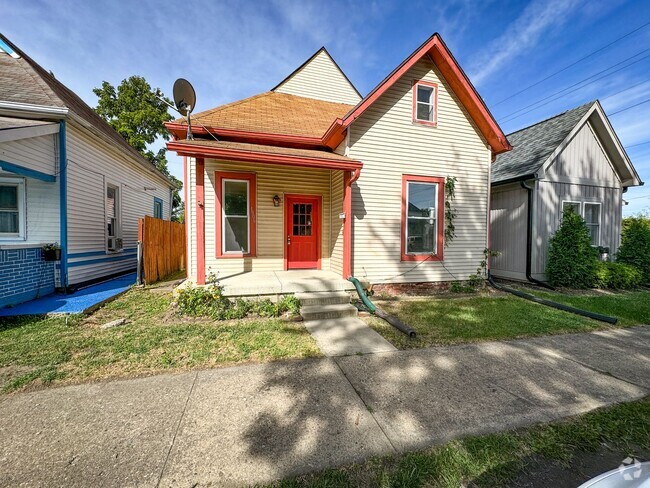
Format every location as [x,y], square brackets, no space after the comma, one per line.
[373,309]
[548,303]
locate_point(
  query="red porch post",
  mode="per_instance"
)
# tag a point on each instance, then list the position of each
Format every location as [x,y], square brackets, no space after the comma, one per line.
[200,221]
[348,179]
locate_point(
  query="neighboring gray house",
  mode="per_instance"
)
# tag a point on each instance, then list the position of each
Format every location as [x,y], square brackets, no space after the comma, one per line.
[573,159]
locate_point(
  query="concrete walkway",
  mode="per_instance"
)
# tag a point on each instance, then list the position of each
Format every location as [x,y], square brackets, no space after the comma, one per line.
[256,423]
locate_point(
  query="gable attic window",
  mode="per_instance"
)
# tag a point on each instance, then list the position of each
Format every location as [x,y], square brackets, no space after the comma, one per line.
[422,218]
[425,103]
[12,208]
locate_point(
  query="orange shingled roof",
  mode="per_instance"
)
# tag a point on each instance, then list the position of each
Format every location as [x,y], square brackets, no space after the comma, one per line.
[274,113]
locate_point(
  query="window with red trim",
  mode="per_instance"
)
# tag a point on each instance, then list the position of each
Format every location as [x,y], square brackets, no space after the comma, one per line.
[236,208]
[422,218]
[425,102]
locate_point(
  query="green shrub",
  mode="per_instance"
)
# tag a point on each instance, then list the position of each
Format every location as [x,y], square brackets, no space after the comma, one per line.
[617,276]
[571,259]
[209,301]
[635,246]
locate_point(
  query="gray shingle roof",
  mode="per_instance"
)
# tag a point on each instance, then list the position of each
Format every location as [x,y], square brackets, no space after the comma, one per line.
[533,145]
[23,80]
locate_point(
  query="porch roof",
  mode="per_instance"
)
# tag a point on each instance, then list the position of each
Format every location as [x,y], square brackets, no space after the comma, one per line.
[257,153]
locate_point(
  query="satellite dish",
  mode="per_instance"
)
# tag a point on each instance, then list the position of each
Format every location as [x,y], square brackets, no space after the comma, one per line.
[184,96]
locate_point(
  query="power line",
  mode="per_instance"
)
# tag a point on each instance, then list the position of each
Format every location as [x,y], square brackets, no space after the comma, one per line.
[560,94]
[636,198]
[638,144]
[631,106]
[572,64]
[627,89]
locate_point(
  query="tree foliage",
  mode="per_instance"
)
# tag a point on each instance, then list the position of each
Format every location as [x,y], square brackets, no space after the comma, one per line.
[571,260]
[635,245]
[134,111]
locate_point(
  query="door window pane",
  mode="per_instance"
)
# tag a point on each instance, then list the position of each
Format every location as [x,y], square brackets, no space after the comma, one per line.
[421,228]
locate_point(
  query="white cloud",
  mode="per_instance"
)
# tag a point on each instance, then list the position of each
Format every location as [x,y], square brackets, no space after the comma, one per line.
[523,34]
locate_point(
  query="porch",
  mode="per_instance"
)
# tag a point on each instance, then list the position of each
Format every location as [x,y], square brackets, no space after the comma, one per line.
[260,283]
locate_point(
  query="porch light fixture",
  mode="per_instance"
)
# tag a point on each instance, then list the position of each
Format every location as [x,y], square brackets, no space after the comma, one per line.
[276,201]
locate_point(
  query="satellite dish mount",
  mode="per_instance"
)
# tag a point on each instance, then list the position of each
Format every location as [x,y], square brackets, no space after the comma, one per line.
[185,100]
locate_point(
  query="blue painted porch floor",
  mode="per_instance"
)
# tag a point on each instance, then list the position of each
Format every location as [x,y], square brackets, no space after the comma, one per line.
[77,302]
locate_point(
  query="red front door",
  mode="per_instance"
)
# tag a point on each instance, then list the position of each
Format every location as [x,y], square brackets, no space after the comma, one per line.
[302,226]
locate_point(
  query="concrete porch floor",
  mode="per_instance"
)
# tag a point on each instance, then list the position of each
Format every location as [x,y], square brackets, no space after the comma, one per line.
[283,282]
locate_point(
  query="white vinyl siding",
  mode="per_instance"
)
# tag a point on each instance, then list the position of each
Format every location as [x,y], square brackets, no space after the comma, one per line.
[320,79]
[268,219]
[385,139]
[92,164]
[37,153]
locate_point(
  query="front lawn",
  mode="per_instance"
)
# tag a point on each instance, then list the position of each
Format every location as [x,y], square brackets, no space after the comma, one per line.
[444,321]
[565,453]
[36,350]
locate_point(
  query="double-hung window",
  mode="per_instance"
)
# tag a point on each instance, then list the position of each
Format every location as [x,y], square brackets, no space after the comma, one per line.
[590,212]
[236,214]
[113,221]
[592,219]
[12,208]
[157,208]
[422,218]
[425,105]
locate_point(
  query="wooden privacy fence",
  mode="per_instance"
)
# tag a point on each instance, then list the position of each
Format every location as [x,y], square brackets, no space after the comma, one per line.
[162,248]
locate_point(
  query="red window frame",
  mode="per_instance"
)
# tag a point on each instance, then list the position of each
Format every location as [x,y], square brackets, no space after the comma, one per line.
[416,83]
[440,218]
[252,210]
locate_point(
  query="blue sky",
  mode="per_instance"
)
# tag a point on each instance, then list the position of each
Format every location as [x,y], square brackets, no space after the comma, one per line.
[231,50]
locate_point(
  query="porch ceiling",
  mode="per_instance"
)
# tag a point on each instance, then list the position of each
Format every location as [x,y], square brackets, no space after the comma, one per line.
[257,153]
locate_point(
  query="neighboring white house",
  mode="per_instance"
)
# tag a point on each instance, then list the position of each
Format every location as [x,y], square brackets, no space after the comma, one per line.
[313,176]
[65,177]
[571,160]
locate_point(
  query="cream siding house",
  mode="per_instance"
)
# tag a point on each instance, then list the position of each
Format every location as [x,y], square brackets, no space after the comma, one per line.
[573,159]
[58,160]
[311,176]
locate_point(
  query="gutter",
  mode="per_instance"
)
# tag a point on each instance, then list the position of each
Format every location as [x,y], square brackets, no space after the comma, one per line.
[529,238]
[32,110]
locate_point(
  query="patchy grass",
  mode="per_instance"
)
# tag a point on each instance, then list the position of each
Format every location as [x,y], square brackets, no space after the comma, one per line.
[472,319]
[498,459]
[40,351]
[631,307]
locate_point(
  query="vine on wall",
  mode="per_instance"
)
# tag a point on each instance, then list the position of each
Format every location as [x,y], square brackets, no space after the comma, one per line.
[450,211]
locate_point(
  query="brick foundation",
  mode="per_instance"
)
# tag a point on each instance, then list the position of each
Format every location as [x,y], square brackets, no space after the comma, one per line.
[24,275]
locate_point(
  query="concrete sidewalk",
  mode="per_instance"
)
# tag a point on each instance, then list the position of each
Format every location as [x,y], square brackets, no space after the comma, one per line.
[256,423]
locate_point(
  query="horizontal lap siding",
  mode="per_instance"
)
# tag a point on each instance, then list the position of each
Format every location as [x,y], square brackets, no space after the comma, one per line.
[508,230]
[320,79]
[90,166]
[390,145]
[37,153]
[548,213]
[336,263]
[271,180]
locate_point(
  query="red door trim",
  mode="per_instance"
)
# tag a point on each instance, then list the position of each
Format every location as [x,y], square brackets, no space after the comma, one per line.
[319,227]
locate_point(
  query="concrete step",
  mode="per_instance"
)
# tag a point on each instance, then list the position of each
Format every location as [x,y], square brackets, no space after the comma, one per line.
[323,298]
[322,312]
[345,336]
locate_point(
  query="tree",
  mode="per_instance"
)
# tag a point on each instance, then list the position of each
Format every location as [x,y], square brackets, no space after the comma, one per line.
[572,262]
[635,245]
[135,112]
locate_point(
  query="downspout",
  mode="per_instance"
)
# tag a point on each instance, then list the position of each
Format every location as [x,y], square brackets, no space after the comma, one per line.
[529,239]
[63,204]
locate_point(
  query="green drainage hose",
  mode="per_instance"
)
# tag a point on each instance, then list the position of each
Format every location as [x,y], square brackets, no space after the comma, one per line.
[391,319]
